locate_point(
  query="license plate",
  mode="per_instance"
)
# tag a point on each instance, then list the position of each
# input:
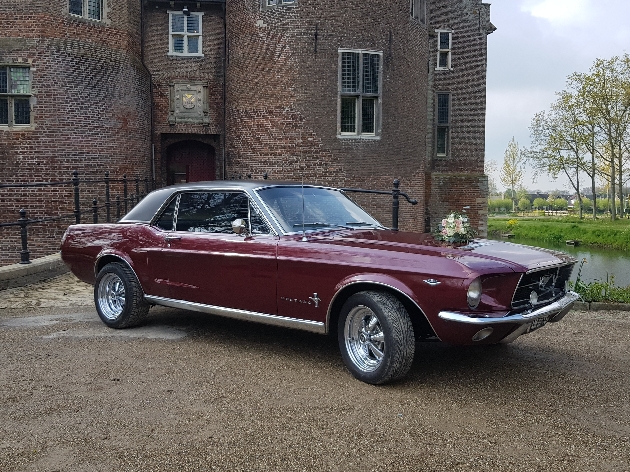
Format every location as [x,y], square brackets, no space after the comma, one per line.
[537,323]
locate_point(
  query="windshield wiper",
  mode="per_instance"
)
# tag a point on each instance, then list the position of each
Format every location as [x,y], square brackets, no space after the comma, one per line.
[361,223]
[319,224]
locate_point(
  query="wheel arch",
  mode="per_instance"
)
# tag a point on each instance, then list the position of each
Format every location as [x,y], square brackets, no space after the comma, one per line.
[103,259]
[422,326]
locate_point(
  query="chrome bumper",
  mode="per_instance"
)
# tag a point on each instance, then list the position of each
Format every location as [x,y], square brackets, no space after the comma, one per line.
[553,312]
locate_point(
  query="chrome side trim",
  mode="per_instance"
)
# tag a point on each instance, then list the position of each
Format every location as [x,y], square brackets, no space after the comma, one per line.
[275,320]
[553,310]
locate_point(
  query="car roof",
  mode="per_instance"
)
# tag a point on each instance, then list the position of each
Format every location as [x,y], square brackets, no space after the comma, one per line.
[146,209]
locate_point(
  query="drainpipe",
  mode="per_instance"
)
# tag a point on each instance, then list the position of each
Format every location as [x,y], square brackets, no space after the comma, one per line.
[150,92]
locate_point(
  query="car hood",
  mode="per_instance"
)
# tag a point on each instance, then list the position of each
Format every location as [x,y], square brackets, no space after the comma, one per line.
[480,254]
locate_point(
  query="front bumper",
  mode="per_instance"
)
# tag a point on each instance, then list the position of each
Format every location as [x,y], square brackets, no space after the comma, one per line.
[553,312]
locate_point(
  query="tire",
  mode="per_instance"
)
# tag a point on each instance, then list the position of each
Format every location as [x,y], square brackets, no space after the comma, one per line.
[376,337]
[118,297]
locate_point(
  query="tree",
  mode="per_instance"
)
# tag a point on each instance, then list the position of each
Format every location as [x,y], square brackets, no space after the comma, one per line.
[558,142]
[524,204]
[512,170]
[539,203]
[605,98]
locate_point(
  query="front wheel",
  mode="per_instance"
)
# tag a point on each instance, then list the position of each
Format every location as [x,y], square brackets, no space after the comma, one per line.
[118,297]
[376,337]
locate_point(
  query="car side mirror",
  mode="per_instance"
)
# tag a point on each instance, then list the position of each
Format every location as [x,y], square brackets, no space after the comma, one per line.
[239,226]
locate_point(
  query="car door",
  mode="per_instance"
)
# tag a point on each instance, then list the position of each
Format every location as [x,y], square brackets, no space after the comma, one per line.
[203,261]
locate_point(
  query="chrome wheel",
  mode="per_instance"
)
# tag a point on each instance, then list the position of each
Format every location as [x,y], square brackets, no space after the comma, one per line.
[111,296]
[364,338]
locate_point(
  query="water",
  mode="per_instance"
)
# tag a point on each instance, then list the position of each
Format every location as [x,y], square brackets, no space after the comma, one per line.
[600,263]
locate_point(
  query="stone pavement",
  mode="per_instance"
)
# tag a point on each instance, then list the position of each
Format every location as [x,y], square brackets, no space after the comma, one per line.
[61,291]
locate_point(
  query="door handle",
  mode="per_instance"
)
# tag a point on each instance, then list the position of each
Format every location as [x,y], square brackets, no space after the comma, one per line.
[172,238]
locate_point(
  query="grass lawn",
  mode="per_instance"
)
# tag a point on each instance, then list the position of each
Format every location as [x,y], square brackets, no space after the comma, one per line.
[602,233]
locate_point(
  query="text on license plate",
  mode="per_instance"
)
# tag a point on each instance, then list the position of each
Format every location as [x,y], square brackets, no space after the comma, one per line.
[537,323]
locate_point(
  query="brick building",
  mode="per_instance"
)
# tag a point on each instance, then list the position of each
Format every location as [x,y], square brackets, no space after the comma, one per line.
[348,93]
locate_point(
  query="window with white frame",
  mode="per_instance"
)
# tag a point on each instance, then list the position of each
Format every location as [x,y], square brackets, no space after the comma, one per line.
[185,33]
[15,96]
[359,93]
[444,40]
[443,123]
[419,10]
[90,9]
[277,3]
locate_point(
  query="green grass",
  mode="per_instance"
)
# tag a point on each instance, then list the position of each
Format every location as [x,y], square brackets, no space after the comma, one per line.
[600,291]
[601,233]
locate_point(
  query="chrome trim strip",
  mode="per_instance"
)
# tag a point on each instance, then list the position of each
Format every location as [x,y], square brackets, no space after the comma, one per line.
[564,304]
[275,320]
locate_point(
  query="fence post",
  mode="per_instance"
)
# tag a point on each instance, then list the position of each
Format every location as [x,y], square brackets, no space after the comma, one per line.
[138,188]
[395,204]
[107,202]
[117,207]
[132,197]
[24,253]
[77,204]
[94,211]
[125,192]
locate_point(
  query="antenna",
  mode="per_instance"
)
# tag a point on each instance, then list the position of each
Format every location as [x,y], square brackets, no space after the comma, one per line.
[303,210]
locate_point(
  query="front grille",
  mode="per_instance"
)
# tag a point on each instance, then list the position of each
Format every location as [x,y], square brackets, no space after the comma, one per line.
[548,284]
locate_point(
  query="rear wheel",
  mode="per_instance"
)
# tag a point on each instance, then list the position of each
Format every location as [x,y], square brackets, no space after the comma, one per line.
[118,297]
[376,337]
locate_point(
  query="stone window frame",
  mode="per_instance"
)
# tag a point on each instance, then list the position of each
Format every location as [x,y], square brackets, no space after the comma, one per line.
[186,34]
[85,10]
[419,10]
[360,94]
[443,124]
[269,4]
[9,97]
[444,52]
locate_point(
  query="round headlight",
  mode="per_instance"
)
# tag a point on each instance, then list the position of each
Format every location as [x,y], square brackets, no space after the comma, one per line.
[474,293]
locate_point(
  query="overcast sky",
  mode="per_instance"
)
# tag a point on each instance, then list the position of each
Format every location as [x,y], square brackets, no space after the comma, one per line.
[537,45]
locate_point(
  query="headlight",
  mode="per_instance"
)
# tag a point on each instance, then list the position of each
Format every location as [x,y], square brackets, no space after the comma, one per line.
[474,293]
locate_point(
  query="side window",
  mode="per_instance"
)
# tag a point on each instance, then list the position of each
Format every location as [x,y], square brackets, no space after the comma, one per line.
[214,212]
[359,93]
[419,10]
[185,33]
[445,41]
[165,221]
[15,96]
[90,9]
[443,124]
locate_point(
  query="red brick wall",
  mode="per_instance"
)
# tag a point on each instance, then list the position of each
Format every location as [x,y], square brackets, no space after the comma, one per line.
[167,69]
[282,96]
[457,180]
[90,108]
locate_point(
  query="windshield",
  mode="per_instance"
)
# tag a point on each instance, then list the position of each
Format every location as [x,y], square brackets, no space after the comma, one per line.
[312,208]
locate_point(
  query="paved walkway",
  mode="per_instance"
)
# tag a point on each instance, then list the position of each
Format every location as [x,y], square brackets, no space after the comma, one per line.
[63,291]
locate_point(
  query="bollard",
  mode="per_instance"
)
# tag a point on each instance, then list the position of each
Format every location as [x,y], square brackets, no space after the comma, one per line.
[77,205]
[107,202]
[94,211]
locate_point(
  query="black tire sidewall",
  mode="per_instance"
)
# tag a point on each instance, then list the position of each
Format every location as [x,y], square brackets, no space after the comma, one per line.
[116,269]
[384,372]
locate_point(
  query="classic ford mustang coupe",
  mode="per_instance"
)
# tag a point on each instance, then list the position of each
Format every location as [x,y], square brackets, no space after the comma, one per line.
[307,257]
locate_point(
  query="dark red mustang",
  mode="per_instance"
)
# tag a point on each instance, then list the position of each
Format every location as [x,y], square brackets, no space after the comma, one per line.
[307,257]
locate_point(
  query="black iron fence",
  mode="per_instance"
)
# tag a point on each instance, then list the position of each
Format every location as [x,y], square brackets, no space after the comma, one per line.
[133,190]
[121,204]
[395,193]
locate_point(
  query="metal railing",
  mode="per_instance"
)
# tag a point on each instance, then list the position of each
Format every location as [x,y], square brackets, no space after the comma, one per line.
[395,193]
[121,205]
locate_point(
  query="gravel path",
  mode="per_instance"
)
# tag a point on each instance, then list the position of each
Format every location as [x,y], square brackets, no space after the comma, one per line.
[192,392]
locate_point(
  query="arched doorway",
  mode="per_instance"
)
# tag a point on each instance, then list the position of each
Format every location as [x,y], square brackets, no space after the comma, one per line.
[190,161]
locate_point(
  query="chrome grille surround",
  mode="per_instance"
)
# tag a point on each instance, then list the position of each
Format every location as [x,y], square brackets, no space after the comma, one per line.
[549,284]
